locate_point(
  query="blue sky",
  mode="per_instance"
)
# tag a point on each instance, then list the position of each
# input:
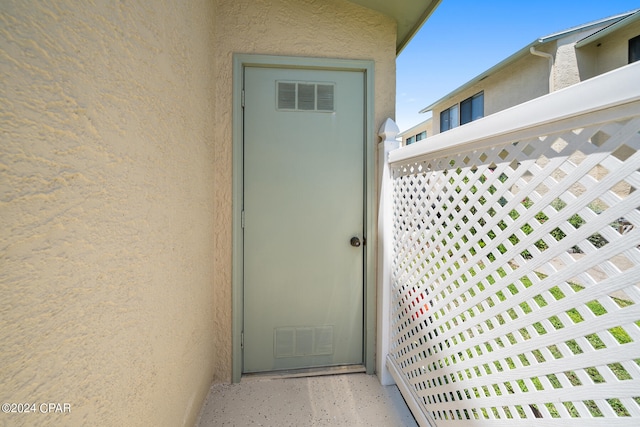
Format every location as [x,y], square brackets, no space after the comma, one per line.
[463,38]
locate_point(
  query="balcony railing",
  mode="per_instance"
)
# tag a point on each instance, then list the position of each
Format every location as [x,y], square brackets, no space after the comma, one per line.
[514,265]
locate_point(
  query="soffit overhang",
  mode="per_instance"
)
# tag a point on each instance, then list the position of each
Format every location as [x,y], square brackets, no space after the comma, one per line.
[410,15]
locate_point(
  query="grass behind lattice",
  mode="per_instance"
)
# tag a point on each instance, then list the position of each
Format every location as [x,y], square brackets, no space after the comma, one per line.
[598,310]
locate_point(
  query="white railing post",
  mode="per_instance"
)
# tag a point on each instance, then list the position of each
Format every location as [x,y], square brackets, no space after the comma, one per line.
[388,132]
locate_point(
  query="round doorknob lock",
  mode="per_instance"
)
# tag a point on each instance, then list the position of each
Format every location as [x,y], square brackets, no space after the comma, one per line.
[355,242]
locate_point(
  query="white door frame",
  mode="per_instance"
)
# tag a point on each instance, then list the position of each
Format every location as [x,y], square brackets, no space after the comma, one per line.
[240,61]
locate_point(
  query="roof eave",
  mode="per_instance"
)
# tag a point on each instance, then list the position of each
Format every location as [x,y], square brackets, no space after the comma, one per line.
[613,21]
[413,128]
[635,16]
[519,54]
[404,37]
[410,16]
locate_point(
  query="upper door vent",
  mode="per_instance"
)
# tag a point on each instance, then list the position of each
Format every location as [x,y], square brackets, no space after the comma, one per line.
[306,96]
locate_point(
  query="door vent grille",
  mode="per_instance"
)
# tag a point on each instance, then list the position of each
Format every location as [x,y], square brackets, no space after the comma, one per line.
[304,341]
[305,96]
[286,96]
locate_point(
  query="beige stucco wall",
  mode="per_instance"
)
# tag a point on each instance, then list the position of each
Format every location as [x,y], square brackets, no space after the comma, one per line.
[327,28]
[527,77]
[608,53]
[106,210]
[565,68]
[520,81]
[116,192]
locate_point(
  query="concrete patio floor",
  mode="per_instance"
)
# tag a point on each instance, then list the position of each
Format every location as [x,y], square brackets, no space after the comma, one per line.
[332,400]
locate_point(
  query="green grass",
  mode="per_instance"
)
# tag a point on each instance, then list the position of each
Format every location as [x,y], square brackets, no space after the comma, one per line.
[594,340]
[575,315]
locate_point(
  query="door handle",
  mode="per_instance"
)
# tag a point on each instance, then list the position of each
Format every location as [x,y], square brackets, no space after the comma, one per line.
[355,242]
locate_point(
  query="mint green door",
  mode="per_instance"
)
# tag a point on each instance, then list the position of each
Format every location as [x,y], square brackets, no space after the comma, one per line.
[303,218]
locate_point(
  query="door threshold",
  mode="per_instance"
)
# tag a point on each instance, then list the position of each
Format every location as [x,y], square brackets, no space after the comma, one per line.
[306,372]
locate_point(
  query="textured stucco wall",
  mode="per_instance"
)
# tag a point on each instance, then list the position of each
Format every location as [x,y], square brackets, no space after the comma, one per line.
[565,68]
[608,53]
[526,79]
[313,28]
[520,81]
[106,210]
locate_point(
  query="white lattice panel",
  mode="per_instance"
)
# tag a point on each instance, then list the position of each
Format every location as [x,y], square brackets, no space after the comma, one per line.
[515,280]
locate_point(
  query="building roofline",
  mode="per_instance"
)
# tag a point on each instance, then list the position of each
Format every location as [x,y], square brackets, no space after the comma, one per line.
[519,54]
[627,20]
[413,128]
[612,20]
[410,16]
[404,38]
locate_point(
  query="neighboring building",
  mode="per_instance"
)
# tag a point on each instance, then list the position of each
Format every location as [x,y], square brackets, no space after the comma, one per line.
[548,64]
[417,133]
[121,184]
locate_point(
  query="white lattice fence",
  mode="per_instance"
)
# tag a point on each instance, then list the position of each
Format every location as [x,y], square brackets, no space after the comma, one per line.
[515,277]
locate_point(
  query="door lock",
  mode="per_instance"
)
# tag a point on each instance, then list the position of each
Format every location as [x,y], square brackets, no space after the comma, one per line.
[355,242]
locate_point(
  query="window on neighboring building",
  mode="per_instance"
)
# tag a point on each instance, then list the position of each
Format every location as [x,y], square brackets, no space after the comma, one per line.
[472,108]
[634,49]
[449,118]
[469,110]
[415,138]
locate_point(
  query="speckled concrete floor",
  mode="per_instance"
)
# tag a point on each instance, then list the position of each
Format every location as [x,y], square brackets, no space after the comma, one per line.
[334,400]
